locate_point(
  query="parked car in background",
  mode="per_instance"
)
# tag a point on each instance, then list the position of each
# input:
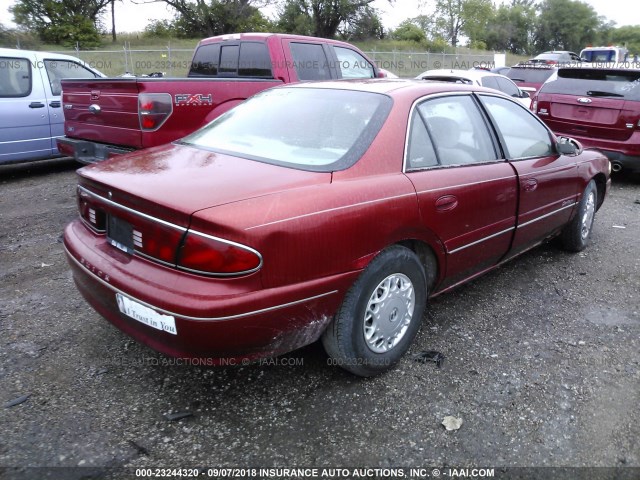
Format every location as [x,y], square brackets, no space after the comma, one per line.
[31,115]
[598,106]
[381,193]
[110,117]
[556,57]
[530,75]
[483,78]
[610,54]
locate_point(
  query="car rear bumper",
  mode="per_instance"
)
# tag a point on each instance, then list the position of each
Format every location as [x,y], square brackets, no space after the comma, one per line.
[89,152]
[620,161]
[220,320]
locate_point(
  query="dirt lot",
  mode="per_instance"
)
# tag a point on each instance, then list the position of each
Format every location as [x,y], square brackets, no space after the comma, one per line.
[542,365]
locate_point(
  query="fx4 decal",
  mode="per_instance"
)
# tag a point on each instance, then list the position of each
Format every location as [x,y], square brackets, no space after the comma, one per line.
[197,99]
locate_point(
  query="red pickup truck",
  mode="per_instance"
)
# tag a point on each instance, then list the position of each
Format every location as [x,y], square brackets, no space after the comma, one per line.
[110,116]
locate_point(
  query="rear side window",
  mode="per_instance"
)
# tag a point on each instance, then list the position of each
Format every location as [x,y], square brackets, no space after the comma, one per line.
[310,61]
[529,75]
[612,83]
[254,60]
[59,69]
[15,77]
[352,64]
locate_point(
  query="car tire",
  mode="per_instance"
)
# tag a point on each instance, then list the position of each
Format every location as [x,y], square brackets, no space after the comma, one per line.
[577,233]
[380,315]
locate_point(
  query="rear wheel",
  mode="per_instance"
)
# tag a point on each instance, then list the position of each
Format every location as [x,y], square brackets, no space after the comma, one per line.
[576,234]
[380,314]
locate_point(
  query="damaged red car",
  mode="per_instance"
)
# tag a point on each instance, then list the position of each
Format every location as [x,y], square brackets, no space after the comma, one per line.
[328,211]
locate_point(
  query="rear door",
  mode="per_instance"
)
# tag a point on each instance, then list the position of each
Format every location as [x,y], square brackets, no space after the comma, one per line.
[24,123]
[466,193]
[547,182]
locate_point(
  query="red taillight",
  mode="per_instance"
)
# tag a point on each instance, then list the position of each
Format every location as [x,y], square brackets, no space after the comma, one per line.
[155,239]
[202,253]
[153,110]
[93,216]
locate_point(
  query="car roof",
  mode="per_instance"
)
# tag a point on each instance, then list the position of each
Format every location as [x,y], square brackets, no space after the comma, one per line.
[395,87]
[470,74]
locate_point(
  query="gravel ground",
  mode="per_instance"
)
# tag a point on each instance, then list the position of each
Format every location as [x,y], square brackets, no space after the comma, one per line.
[542,365]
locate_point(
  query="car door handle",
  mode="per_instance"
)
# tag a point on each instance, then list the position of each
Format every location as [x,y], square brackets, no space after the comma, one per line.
[529,185]
[446,203]
[36,105]
[55,104]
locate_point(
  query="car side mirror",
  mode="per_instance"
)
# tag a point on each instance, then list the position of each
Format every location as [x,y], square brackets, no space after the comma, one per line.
[568,146]
[524,94]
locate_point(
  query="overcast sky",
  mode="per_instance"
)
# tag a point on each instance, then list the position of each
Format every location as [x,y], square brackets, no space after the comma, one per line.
[131,18]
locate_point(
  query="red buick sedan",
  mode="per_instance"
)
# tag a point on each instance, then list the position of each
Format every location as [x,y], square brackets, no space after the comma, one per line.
[324,210]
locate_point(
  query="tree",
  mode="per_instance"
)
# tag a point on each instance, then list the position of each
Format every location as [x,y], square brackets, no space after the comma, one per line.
[198,18]
[410,32]
[512,27]
[629,36]
[61,21]
[566,25]
[294,17]
[365,24]
[477,15]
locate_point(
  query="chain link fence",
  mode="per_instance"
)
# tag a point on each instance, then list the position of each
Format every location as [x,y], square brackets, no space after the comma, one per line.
[175,62]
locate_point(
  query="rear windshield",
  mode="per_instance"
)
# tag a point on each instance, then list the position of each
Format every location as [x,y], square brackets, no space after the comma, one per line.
[309,129]
[599,56]
[529,75]
[613,83]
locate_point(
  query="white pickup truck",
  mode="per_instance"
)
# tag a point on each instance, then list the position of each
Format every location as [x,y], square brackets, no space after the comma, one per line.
[31,116]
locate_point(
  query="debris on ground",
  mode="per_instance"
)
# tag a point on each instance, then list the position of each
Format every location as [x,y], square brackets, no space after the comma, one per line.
[172,417]
[429,356]
[17,401]
[452,423]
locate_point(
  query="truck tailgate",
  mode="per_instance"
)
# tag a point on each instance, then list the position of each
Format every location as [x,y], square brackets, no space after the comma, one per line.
[107,110]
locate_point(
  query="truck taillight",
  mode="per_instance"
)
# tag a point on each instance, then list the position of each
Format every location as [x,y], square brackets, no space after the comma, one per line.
[153,110]
[205,254]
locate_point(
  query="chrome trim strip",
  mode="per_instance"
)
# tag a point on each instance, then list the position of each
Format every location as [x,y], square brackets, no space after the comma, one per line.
[182,229]
[449,187]
[328,210]
[482,240]
[547,215]
[130,210]
[186,317]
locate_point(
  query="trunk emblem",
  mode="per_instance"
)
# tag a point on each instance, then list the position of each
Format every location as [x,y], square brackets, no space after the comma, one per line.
[584,100]
[93,108]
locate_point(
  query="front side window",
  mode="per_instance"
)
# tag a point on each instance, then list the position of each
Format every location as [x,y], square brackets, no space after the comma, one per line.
[312,129]
[15,77]
[522,134]
[310,61]
[508,87]
[352,64]
[456,129]
[60,69]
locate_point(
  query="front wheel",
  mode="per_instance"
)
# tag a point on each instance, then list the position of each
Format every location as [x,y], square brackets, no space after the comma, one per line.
[380,314]
[576,234]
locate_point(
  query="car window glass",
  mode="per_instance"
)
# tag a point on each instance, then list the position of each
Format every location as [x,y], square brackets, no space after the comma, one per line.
[59,69]
[205,61]
[420,152]
[352,64]
[310,61]
[15,77]
[490,82]
[530,75]
[457,130]
[522,133]
[229,59]
[307,128]
[254,60]
[596,82]
[508,87]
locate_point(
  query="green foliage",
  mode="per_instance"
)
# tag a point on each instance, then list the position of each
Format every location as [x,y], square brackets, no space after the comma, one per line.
[160,29]
[566,25]
[511,29]
[66,22]
[364,24]
[410,32]
[629,36]
[294,17]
